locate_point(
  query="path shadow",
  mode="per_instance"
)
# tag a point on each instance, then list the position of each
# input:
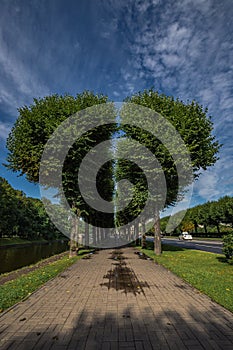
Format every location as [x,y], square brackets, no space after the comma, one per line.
[224,260]
[171,248]
[134,322]
[165,247]
[206,329]
[121,277]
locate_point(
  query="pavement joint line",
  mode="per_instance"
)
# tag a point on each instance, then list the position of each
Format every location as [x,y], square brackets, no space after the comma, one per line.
[169,314]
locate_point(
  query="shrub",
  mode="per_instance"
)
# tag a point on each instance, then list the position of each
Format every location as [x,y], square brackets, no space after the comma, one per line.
[228,245]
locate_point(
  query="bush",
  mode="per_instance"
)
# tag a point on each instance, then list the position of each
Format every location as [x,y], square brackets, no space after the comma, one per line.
[228,245]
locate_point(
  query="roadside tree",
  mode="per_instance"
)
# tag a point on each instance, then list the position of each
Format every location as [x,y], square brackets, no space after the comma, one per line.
[195,128]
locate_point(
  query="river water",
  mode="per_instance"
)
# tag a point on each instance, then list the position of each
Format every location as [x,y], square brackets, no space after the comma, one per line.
[12,258]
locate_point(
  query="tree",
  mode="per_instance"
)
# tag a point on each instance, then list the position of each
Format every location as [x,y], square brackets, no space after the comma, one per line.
[37,123]
[195,128]
[163,223]
[214,213]
[187,226]
[130,200]
[9,209]
[226,209]
[34,127]
[23,216]
[193,217]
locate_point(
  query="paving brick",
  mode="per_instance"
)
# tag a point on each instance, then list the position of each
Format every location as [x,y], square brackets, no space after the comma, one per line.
[109,304]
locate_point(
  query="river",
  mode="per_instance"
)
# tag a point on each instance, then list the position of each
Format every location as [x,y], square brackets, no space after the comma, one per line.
[12,258]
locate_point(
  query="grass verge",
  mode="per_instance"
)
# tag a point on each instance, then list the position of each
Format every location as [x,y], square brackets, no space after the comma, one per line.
[197,238]
[16,290]
[208,272]
[217,239]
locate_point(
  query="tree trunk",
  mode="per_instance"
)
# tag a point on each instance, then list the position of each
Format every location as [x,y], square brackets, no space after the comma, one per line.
[136,239]
[195,225]
[102,234]
[74,232]
[73,237]
[98,235]
[94,235]
[132,233]
[143,241]
[86,234]
[157,236]
[205,229]
[136,230]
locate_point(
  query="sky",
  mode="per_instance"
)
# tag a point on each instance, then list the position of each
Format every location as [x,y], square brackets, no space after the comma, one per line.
[182,48]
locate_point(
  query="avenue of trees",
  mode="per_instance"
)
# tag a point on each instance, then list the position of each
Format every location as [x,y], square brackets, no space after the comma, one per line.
[195,128]
[213,218]
[23,216]
[32,130]
[37,122]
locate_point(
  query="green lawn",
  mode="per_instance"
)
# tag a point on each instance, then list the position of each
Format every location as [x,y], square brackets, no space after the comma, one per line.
[198,238]
[208,272]
[207,239]
[16,290]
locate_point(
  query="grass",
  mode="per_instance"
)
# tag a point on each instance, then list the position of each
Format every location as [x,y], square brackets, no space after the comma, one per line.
[209,273]
[16,240]
[16,290]
[198,238]
[207,239]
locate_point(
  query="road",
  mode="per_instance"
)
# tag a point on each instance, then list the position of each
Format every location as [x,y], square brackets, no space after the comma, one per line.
[207,246]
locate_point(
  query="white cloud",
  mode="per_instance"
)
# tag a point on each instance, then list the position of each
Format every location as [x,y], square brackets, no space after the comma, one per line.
[182,47]
[182,205]
[175,39]
[187,50]
[142,6]
[19,82]
[207,186]
[216,181]
[4,130]
[116,93]
[171,60]
[149,62]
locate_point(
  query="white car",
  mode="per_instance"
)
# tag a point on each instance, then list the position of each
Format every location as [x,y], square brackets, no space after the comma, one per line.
[185,236]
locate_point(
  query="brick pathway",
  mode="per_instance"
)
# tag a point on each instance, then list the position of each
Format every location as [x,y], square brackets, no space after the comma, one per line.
[115,300]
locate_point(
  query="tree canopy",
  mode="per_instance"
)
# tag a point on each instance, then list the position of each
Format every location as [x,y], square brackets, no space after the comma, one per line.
[195,128]
[37,122]
[33,129]
[212,217]
[23,216]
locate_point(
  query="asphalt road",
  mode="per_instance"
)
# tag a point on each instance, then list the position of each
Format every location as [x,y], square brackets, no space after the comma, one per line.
[207,246]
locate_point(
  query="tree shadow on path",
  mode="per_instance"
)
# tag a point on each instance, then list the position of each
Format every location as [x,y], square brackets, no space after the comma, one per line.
[128,330]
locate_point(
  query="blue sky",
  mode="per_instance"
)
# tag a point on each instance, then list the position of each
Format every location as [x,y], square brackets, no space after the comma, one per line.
[183,48]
